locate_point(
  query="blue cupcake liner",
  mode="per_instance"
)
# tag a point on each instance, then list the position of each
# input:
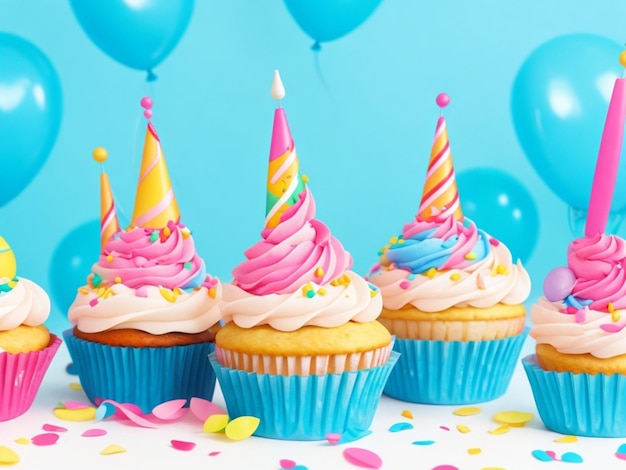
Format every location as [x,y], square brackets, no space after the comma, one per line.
[578,404]
[305,408]
[453,372]
[145,377]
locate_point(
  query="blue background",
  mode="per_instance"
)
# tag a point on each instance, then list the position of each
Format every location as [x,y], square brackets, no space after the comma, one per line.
[361,111]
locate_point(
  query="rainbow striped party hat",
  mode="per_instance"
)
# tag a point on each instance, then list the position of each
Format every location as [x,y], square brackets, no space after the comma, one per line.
[284,182]
[109,224]
[155,202]
[440,196]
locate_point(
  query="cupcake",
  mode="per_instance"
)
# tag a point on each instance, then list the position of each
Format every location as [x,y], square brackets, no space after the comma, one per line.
[26,346]
[301,348]
[578,371]
[452,297]
[145,322]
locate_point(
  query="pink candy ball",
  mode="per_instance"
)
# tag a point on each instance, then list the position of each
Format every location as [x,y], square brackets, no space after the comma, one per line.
[442,100]
[559,283]
[146,102]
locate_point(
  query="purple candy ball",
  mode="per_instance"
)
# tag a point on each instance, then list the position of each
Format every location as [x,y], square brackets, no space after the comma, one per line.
[559,283]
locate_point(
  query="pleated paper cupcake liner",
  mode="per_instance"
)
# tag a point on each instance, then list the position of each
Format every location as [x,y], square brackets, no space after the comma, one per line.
[578,404]
[145,377]
[305,408]
[21,376]
[453,372]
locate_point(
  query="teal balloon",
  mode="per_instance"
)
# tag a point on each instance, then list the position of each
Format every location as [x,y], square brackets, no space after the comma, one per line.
[71,263]
[31,106]
[500,205]
[139,34]
[559,102]
[327,20]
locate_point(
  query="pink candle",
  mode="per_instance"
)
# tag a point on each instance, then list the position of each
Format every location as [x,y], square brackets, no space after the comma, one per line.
[608,161]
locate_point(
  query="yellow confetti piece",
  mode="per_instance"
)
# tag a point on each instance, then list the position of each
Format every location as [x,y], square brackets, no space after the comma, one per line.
[185,234]
[212,292]
[83,290]
[373,293]
[407,414]
[166,232]
[22,440]
[467,411]
[113,449]
[431,273]
[215,423]
[304,178]
[393,240]
[474,451]
[76,386]
[513,418]
[242,427]
[321,291]
[8,456]
[566,439]
[501,269]
[319,272]
[471,256]
[455,276]
[616,315]
[610,307]
[109,258]
[463,429]
[168,294]
[492,468]
[503,429]
[80,414]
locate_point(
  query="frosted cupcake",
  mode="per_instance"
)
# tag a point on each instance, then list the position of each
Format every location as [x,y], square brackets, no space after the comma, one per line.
[145,321]
[26,346]
[301,349]
[452,297]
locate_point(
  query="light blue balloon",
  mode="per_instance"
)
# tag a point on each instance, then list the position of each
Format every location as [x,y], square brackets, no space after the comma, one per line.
[327,20]
[500,205]
[71,263]
[137,33]
[559,102]
[31,106]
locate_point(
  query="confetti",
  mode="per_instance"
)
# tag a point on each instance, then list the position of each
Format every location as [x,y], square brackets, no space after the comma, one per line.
[400,427]
[113,449]
[127,410]
[445,428]
[333,438]
[79,414]
[621,452]
[502,429]
[22,440]
[571,457]
[566,439]
[94,432]
[287,464]
[407,414]
[53,428]
[45,439]
[362,457]
[541,455]
[513,418]
[463,429]
[8,456]
[474,451]
[423,443]
[182,445]
[170,410]
[467,411]
[445,467]
[76,386]
[242,427]
[215,423]
[71,369]
[202,408]
[214,453]
[74,405]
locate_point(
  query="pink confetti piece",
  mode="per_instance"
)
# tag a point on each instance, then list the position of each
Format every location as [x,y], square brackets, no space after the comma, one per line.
[287,464]
[170,410]
[362,457]
[612,327]
[494,242]
[620,456]
[202,408]
[214,453]
[93,302]
[445,428]
[94,432]
[182,445]
[130,411]
[445,467]
[53,428]
[74,405]
[551,454]
[333,438]
[46,439]
[405,285]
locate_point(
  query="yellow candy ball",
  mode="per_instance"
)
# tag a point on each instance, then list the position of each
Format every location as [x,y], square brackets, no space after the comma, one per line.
[622,58]
[100,154]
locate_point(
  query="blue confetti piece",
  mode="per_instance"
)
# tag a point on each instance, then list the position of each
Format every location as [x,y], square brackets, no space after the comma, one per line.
[571,457]
[299,467]
[423,443]
[104,411]
[71,369]
[400,427]
[541,455]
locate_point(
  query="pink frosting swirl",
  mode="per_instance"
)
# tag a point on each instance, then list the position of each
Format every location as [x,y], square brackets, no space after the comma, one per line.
[599,264]
[298,250]
[146,257]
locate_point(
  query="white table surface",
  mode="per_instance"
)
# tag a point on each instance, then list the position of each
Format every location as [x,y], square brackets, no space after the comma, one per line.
[150,448]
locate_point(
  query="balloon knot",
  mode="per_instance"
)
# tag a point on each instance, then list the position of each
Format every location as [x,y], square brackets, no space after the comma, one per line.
[151,77]
[316,47]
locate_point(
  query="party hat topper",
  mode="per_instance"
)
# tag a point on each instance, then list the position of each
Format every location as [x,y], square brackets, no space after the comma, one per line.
[440,196]
[608,158]
[109,224]
[284,183]
[155,203]
[8,267]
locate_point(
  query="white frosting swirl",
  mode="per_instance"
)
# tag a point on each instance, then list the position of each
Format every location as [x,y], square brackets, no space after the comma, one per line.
[289,312]
[189,312]
[492,280]
[585,336]
[25,304]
